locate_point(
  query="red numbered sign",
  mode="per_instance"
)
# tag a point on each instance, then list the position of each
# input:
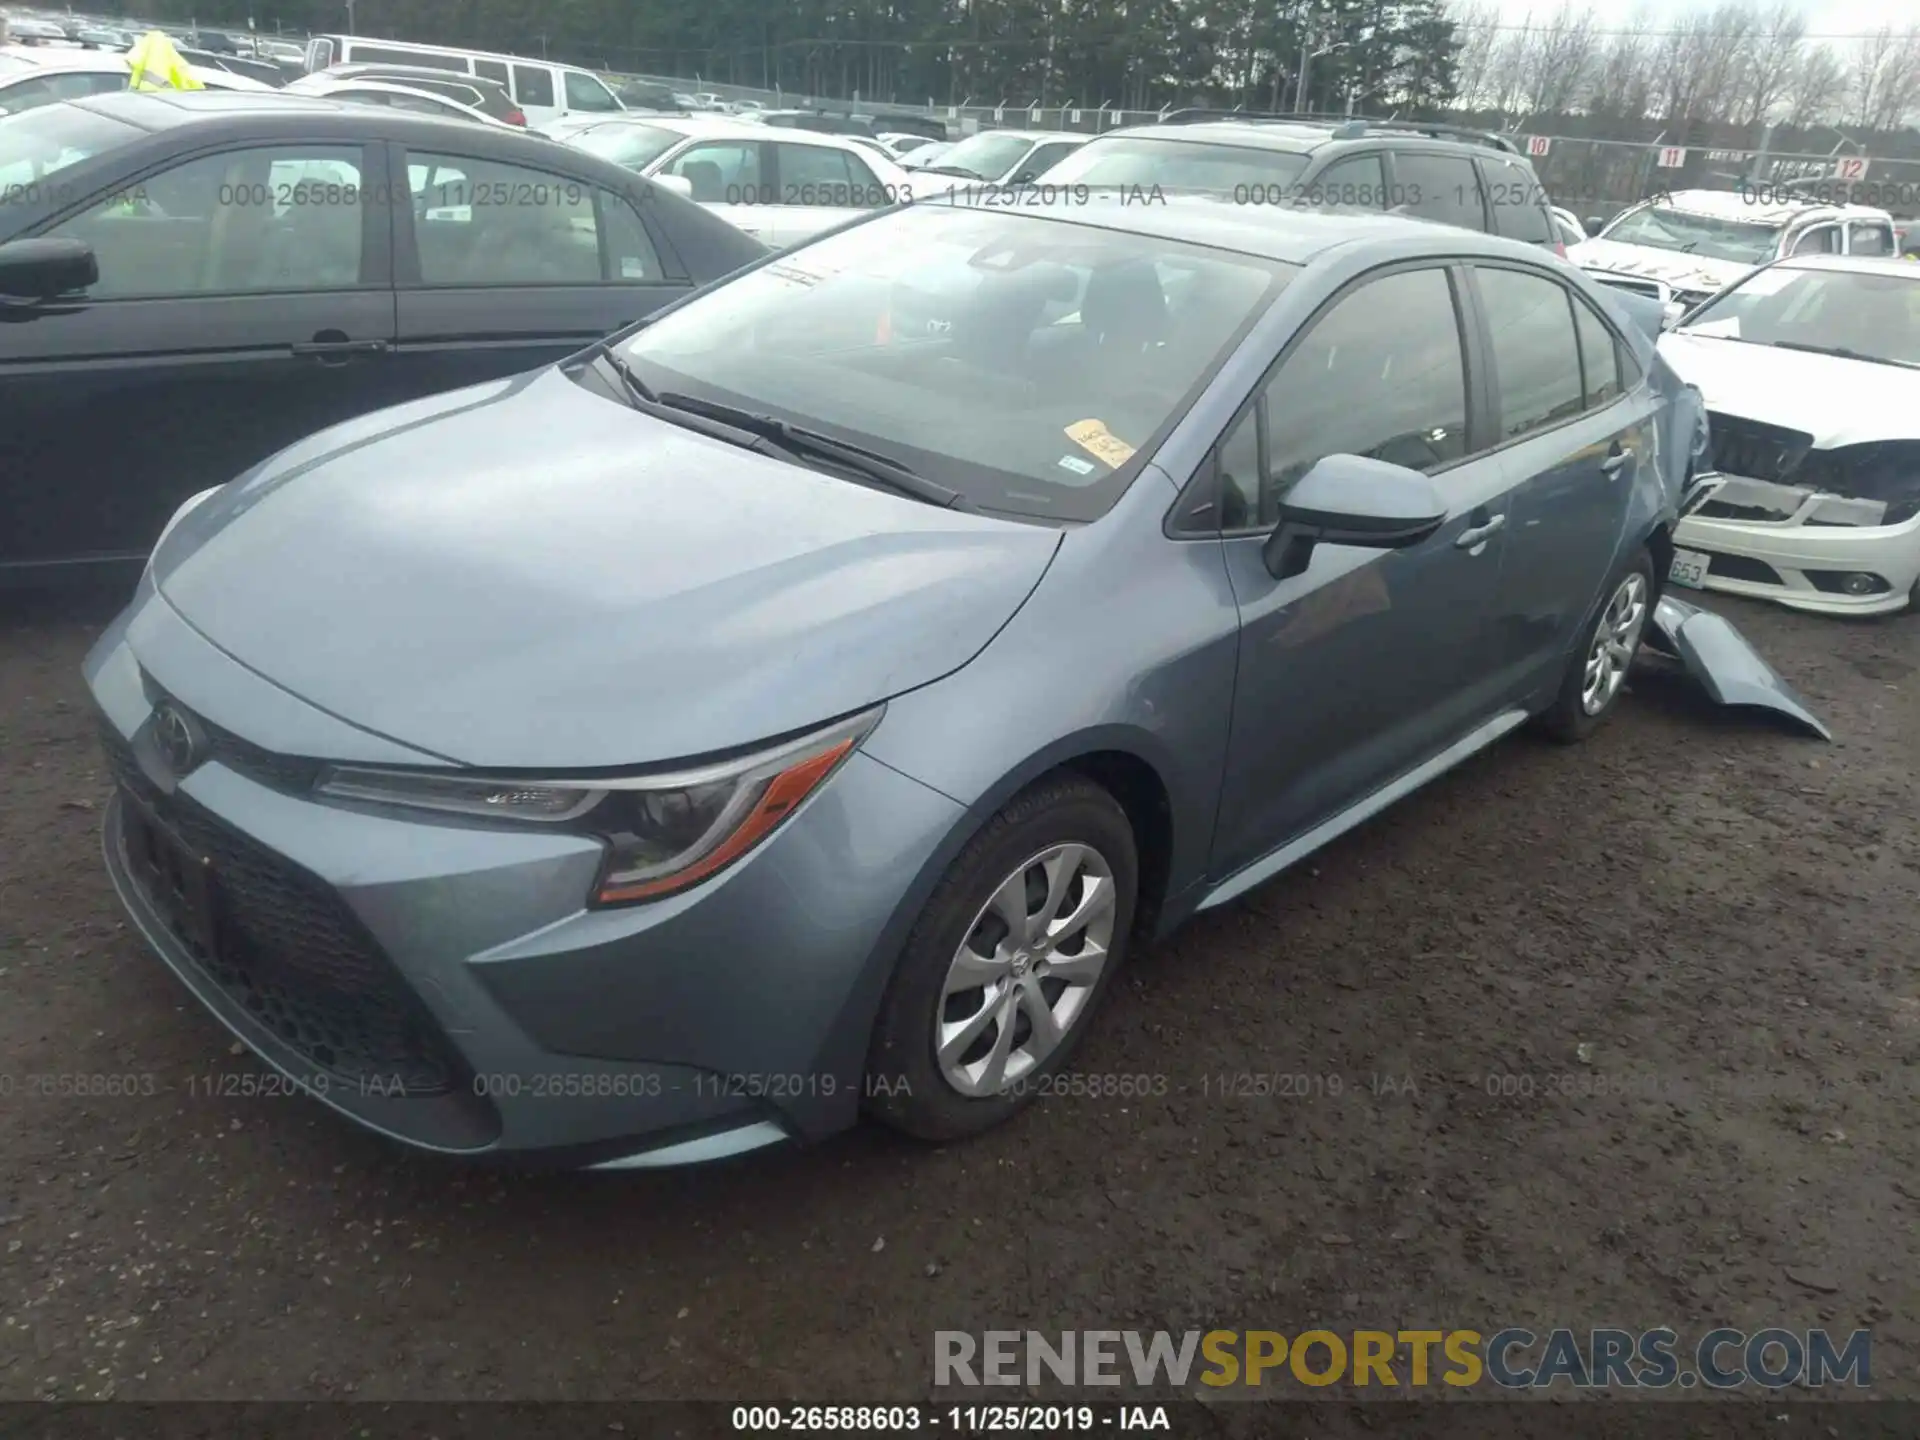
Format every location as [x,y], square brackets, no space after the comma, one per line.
[1538,145]
[1851,167]
[1671,157]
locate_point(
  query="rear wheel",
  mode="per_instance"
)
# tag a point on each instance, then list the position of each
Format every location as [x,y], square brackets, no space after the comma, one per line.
[1597,670]
[1012,956]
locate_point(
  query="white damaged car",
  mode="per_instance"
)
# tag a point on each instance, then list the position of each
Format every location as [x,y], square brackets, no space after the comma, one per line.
[1692,243]
[1810,369]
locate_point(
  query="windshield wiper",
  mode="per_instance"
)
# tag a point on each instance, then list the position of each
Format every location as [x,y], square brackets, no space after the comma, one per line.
[636,387]
[1841,352]
[961,171]
[802,443]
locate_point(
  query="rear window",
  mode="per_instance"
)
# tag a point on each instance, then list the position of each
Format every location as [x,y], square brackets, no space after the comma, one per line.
[635,146]
[1519,204]
[533,85]
[1436,186]
[1189,165]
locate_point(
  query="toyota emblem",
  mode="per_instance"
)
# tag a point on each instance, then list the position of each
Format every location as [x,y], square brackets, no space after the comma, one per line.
[179,739]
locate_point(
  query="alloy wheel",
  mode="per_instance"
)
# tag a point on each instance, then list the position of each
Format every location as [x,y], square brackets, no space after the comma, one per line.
[1615,639]
[1026,970]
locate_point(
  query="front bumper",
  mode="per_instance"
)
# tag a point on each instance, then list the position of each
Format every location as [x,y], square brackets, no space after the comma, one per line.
[444,984]
[1797,554]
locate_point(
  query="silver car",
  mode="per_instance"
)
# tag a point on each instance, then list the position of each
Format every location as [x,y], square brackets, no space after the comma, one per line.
[781,711]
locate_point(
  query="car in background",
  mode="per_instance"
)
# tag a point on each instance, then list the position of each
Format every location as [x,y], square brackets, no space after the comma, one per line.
[1567,226]
[267,72]
[636,758]
[1697,242]
[33,77]
[216,42]
[180,255]
[900,143]
[1005,157]
[101,38]
[780,186]
[25,30]
[396,96]
[925,156]
[544,91]
[474,92]
[1810,368]
[1471,179]
[646,95]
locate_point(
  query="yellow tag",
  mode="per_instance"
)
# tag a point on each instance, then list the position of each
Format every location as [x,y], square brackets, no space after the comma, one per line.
[1093,437]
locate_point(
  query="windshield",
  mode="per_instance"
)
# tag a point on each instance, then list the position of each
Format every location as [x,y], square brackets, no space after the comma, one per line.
[1744,241]
[987,157]
[1184,165]
[631,145]
[48,138]
[1022,362]
[1872,316]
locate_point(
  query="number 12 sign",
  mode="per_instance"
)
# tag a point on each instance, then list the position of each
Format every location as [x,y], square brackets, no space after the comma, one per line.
[1850,167]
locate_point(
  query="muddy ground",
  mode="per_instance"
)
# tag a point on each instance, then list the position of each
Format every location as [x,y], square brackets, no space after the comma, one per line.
[1710,921]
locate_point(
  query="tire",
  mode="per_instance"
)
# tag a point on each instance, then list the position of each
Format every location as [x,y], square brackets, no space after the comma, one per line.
[1064,830]
[1585,699]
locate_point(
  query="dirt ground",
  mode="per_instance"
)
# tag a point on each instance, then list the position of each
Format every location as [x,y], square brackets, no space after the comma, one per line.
[1708,920]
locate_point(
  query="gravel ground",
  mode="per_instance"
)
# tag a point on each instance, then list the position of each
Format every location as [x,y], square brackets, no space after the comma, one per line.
[1704,918]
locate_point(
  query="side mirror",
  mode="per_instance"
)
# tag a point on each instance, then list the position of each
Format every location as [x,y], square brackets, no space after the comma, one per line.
[1025,177]
[1594,224]
[41,269]
[1351,500]
[678,184]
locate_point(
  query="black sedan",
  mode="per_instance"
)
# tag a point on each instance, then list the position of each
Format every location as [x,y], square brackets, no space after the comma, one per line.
[190,282]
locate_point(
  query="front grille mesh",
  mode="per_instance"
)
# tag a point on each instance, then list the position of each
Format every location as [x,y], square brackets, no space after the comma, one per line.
[1755,450]
[295,957]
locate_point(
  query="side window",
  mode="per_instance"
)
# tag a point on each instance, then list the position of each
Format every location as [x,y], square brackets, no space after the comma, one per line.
[1869,237]
[1045,157]
[280,218]
[533,85]
[586,93]
[1820,240]
[1241,492]
[630,255]
[815,175]
[1536,358]
[1599,356]
[1382,374]
[1519,204]
[1437,187]
[477,222]
[492,69]
[723,172]
[1358,180]
[46,89]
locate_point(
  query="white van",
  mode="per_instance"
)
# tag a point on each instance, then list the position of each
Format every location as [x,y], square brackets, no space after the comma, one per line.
[543,90]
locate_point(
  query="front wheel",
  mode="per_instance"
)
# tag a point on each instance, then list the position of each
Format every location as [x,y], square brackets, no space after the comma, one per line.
[1597,670]
[1002,974]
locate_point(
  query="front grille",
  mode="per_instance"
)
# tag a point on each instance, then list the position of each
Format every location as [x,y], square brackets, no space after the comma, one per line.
[291,953]
[1740,567]
[1753,449]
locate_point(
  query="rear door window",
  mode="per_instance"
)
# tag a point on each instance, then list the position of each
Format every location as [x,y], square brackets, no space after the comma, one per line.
[1434,186]
[533,85]
[1357,181]
[1536,355]
[1518,203]
[492,69]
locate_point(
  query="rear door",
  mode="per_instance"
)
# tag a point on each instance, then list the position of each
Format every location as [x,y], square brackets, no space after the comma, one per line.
[1575,437]
[501,268]
[818,186]
[1517,201]
[245,300]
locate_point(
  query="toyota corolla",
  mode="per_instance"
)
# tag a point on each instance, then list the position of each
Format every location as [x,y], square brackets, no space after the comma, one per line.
[779,711]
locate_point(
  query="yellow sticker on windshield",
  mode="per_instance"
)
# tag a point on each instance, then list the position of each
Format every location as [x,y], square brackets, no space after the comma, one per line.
[1093,437]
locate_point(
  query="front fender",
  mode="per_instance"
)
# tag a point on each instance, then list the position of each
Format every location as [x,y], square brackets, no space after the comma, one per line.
[1726,664]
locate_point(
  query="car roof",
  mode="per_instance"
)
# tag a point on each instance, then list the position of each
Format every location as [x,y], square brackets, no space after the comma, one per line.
[1853,264]
[272,113]
[94,60]
[729,128]
[1277,135]
[1733,205]
[367,69]
[1034,135]
[1284,233]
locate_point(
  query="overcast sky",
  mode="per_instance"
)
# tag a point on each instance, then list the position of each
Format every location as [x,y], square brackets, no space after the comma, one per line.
[1827,17]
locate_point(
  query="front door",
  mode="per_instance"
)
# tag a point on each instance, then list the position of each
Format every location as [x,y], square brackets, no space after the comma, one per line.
[244,301]
[503,268]
[1370,662]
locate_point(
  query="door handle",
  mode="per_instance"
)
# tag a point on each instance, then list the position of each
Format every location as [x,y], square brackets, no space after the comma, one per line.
[1480,534]
[340,349]
[1610,466]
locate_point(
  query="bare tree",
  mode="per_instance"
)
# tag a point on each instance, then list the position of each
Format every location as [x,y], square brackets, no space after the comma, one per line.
[1477,27]
[1873,56]
[1898,91]
[1816,89]
[1774,57]
[1559,61]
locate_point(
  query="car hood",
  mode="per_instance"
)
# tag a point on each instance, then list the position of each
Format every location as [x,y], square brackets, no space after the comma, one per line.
[1837,401]
[527,575]
[1682,271]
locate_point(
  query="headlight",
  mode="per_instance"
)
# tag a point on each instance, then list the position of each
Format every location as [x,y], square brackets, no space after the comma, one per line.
[663,832]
